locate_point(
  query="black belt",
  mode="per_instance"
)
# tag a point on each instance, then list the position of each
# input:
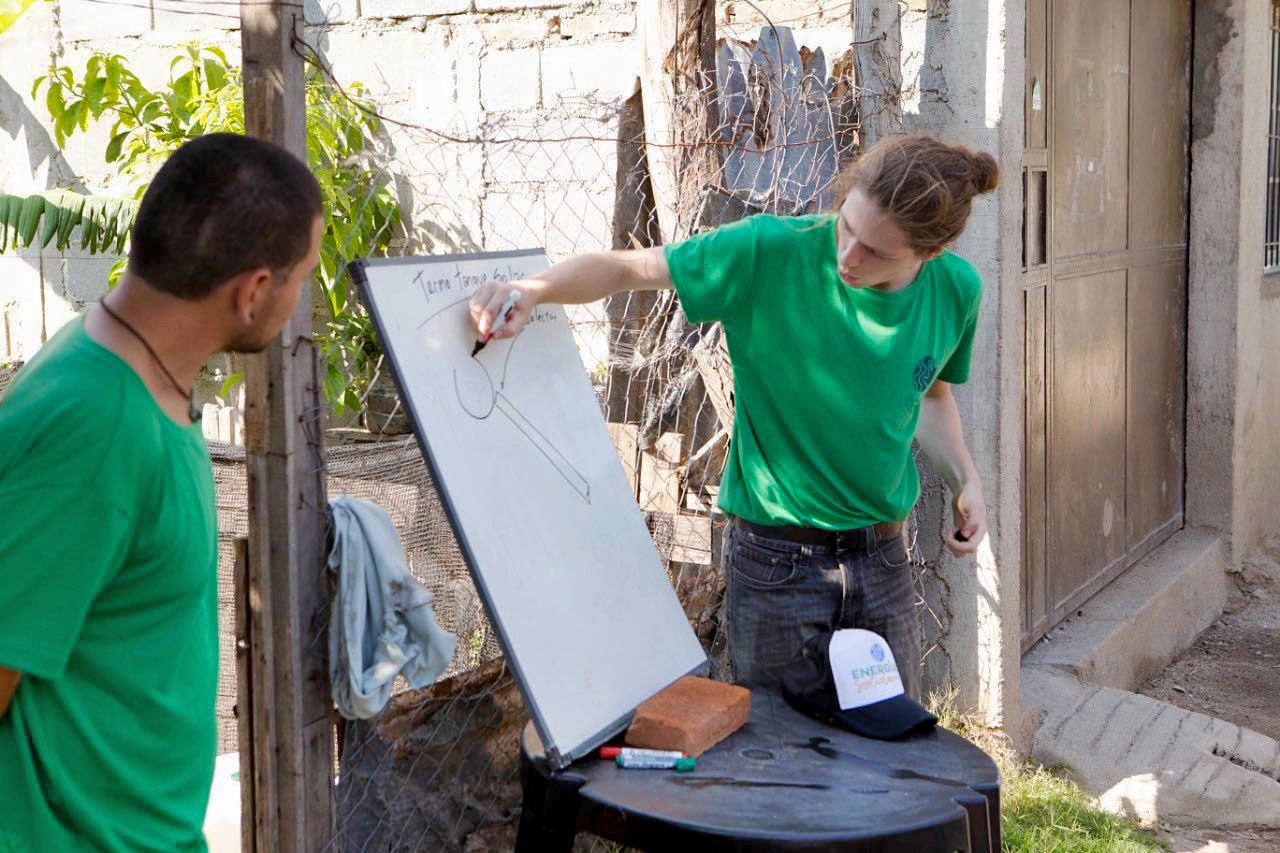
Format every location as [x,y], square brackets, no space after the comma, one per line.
[836,540]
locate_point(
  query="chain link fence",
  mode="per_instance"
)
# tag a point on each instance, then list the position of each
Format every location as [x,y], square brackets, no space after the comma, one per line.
[745,122]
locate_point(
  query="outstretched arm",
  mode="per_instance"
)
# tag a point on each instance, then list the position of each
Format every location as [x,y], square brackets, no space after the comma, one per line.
[576,281]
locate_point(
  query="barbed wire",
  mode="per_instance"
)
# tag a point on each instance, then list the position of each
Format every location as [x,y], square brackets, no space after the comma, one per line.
[174,7]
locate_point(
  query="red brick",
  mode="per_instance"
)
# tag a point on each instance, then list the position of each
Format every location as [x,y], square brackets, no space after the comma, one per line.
[692,715]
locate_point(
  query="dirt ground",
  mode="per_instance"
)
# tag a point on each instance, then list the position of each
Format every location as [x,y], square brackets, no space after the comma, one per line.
[1233,673]
[1222,841]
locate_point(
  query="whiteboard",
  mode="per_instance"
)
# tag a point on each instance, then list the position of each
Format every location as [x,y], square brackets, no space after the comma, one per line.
[535,491]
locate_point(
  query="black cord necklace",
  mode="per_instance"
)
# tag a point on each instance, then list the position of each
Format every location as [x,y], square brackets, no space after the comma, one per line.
[189,396]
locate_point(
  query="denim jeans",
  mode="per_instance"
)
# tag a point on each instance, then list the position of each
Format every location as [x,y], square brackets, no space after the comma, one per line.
[780,593]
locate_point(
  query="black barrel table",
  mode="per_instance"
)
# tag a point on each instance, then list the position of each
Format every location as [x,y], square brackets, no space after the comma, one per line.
[781,782]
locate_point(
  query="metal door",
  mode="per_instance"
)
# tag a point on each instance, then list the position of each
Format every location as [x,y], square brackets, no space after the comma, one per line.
[1105,256]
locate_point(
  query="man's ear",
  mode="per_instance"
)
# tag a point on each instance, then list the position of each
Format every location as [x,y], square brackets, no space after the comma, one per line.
[249,293]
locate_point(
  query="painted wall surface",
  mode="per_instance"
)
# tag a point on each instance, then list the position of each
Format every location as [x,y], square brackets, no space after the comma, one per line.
[1233,349]
[1258,345]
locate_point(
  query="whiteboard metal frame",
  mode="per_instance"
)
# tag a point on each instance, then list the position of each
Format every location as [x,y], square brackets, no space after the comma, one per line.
[558,756]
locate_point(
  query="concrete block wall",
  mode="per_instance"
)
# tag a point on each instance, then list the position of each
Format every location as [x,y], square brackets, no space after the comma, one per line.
[40,290]
[503,117]
[962,64]
[510,107]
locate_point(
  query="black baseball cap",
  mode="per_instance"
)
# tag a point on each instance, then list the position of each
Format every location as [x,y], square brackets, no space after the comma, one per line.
[849,678]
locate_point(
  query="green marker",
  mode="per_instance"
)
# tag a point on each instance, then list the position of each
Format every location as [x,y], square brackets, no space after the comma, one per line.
[635,762]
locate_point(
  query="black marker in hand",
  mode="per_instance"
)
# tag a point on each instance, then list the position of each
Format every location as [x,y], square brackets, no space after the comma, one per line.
[512,298]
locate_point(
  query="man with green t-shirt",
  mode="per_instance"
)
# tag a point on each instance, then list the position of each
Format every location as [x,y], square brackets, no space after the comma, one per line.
[846,331]
[108,550]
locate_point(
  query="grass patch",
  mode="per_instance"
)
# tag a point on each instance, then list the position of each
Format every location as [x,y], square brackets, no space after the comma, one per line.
[1041,811]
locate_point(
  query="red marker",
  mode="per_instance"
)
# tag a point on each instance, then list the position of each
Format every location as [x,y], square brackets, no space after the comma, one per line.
[636,752]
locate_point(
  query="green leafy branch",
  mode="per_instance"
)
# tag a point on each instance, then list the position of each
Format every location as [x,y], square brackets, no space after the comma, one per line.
[204,94]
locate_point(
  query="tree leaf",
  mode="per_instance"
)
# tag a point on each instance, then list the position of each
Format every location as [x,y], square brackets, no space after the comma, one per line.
[67,121]
[53,101]
[112,90]
[117,270]
[93,95]
[334,383]
[183,88]
[113,147]
[70,219]
[35,87]
[230,383]
[5,203]
[138,93]
[29,218]
[52,214]
[89,225]
[215,75]
[111,217]
[124,224]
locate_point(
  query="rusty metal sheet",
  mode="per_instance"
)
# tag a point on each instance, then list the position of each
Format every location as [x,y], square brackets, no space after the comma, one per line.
[1160,124]
[1156,397]
[1106,340]
[1090,108]
[1034,565]
[1037,74]
[1087,531]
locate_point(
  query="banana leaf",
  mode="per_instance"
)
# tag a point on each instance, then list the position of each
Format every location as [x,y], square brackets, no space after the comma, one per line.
[36,220]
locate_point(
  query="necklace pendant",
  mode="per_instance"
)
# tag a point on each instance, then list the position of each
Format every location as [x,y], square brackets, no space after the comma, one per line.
[193,411]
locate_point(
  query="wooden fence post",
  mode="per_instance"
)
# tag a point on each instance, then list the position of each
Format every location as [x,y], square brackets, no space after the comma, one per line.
[677,77]
[877,38]
[292,734]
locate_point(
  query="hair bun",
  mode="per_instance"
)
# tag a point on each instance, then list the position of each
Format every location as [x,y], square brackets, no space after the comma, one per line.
[986,172]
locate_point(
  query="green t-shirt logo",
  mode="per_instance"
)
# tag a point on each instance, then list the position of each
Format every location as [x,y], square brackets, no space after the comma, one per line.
[922,376]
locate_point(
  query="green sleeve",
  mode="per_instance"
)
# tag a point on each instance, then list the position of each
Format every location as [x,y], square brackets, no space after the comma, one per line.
[59,546]
[713,272]
[956,370]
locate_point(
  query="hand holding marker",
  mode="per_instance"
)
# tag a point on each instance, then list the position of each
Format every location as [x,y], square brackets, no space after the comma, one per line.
[512,298]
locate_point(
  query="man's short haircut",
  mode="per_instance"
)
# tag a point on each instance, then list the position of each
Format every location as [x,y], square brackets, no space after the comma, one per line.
[220,205]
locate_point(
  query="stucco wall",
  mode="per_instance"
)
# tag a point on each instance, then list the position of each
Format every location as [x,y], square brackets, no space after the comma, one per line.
[1258,343]
[1233,349]
[971,95]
